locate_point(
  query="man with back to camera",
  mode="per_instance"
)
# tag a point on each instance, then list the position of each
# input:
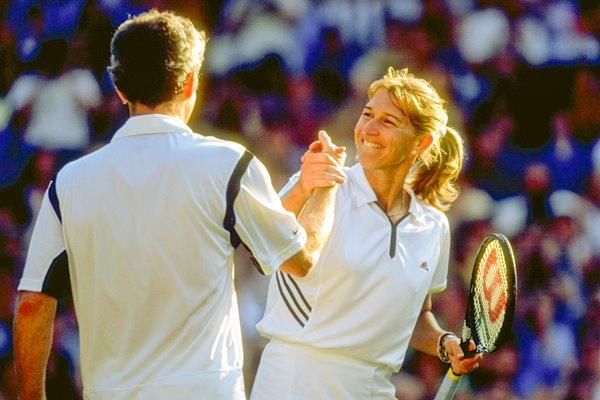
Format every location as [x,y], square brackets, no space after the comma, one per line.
[143,232]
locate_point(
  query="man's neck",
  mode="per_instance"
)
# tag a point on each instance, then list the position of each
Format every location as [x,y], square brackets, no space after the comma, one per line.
[171,109]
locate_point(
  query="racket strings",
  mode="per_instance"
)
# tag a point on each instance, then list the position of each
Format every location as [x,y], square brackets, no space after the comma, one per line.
[490,297]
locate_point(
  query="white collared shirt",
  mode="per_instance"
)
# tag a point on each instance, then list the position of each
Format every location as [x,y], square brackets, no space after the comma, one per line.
[150,262]
[367,290]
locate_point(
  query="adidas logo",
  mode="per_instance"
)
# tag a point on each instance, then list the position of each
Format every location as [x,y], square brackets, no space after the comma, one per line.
[424,266]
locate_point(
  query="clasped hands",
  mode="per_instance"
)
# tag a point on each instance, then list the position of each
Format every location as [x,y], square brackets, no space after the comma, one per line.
[322,164]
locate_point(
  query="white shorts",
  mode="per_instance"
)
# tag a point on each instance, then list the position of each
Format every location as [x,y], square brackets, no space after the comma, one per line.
[296,372]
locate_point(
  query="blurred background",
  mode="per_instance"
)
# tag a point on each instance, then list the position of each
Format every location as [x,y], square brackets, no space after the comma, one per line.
[522,81]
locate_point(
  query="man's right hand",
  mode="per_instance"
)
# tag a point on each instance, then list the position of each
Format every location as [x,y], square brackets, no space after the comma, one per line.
[322,164]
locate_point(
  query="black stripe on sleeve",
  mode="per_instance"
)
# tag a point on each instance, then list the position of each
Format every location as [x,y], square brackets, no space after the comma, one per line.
[57,282]
[287,303]
[54,198]
[233,188]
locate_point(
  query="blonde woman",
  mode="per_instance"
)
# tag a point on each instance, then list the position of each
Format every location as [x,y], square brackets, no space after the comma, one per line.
[342,331]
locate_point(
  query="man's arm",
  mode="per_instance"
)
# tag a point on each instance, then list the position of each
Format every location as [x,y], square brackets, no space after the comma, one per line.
[427,333]
[319,170]
[33,329]
[317,219]
[312,199]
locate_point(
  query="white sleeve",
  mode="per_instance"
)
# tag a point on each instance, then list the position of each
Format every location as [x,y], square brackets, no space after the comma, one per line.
[86,88]
[272,233]
[293,179]
[23,91]
[440,277]
[46,257]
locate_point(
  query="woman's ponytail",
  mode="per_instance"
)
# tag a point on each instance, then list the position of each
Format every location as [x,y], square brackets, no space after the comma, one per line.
[434,175]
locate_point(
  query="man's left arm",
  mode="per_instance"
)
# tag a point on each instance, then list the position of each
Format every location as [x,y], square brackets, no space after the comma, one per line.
[45,279]
[33,329]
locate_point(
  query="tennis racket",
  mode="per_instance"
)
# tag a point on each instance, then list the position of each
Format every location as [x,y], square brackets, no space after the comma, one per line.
[491,304]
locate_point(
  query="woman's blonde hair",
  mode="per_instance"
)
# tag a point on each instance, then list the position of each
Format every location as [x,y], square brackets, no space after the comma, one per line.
[433,176]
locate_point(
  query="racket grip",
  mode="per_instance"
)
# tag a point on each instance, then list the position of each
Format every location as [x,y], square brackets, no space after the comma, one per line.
[465,348]
[448,387]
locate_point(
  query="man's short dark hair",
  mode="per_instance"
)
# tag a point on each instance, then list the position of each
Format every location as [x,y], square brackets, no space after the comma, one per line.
[152,55]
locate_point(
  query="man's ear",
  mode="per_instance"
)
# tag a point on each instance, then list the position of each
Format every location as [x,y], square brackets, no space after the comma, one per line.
[122,96]
[191,84]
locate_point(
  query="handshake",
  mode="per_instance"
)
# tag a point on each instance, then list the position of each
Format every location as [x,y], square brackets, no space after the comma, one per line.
[322,165]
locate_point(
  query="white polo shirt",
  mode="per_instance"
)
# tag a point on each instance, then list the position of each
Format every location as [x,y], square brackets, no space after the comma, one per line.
[140,223]
[364,295]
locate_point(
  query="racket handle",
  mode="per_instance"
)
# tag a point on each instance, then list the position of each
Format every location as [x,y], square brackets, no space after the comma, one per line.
[464,345]
[448,387]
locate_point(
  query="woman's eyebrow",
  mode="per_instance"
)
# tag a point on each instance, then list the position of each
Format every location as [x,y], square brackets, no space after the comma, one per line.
[398,119]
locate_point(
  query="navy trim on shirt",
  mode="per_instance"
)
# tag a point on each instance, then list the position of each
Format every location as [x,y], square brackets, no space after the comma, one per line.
[233,188]
[57,282]
[54,198]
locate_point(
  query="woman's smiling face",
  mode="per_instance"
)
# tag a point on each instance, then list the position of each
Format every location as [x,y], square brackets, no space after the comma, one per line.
[383,136]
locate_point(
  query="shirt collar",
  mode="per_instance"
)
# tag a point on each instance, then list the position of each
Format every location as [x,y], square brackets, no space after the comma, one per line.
[363,193]
[151,124]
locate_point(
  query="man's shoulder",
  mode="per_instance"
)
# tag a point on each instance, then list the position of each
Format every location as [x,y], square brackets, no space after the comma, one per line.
[220,154]
[226,146]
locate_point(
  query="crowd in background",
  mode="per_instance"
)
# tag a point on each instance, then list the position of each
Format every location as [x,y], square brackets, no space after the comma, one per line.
[522,80]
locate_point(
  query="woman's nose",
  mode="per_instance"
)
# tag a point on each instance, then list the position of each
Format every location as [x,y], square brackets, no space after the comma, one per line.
[372,127]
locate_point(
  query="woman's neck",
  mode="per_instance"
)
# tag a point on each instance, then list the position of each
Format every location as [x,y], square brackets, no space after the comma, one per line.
[389,189]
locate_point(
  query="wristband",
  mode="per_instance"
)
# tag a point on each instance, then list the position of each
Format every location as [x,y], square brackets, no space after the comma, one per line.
[441,348]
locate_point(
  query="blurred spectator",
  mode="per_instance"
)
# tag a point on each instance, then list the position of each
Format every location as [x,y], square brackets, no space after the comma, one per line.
[359,22]
[584,208]
[257,30]
[9,71]
[585,101]
[567,157]
[529,207]
[26,20]
[43,169]
[493,161]
[53,102]
[329,67]
[553,35]
[11,245]
[547,350]
[95,30]
[482,34]
[586,379]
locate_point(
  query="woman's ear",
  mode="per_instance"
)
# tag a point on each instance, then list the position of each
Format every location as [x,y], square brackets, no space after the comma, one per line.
[424,143]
